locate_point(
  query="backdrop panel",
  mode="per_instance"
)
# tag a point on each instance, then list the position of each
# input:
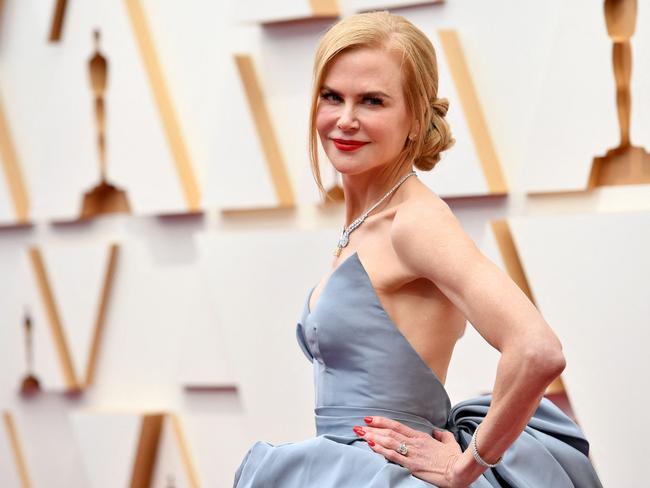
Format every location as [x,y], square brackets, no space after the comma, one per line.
[589,276]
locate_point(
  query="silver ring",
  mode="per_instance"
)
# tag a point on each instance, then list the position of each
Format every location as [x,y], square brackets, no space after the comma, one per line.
[403,449]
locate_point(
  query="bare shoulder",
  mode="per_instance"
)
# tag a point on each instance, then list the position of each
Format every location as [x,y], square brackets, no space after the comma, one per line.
[430,243]
[428,238]
[420,207]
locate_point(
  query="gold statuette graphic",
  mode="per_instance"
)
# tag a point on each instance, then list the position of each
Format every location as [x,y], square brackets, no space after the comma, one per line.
[105,197]
[620,16]
[30,383]
[625,164]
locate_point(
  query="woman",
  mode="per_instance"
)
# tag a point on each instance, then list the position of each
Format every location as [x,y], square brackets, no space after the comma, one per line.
[380,328]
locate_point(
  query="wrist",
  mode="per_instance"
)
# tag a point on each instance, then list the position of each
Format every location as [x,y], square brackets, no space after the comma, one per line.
[450,473]
[463,470]
[473,446]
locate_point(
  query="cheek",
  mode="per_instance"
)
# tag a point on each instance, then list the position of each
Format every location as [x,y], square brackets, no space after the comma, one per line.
[384,128]
[397,129]
[325,121]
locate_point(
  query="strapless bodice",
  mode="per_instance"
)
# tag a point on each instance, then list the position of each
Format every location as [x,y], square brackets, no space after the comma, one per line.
[361,359]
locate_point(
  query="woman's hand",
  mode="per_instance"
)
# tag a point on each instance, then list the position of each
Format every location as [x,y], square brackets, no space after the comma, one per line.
[429,458]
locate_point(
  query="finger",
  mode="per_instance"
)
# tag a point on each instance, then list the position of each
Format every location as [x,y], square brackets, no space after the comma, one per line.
[386,423]
[381,432]
[391,455]
[384,441]
[446,437]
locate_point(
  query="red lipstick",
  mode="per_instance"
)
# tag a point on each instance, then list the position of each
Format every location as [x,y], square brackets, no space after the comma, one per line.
[348,144]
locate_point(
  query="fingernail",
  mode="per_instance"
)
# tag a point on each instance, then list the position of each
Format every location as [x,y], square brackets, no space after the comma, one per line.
[371,443]
[359,430]
[367,420]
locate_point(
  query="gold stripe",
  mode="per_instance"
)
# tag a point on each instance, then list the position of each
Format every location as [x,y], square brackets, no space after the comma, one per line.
[57,20]
[101,314]
[557,387]
[164,104]
[515,269]
[324,8]
[12,171]
[265,132]
[510,256]
[53,319]
[190,471]
[19,457]
[147,452]
[472,110]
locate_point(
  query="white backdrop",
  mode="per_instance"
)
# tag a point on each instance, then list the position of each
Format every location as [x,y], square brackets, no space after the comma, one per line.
[213,300]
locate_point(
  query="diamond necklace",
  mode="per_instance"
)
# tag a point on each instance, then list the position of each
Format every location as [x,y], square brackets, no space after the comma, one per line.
[345,235]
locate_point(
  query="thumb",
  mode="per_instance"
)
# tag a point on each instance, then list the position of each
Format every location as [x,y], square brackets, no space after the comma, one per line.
[445,437]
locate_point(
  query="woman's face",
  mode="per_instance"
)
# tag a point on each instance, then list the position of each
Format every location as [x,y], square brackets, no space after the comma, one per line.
[362,118]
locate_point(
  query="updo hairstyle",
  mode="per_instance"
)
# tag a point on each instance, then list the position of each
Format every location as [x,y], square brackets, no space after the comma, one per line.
[383,30]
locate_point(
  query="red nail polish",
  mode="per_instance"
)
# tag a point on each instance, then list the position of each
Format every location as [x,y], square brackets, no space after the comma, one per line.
[367,420]
[359,430]
[371,443]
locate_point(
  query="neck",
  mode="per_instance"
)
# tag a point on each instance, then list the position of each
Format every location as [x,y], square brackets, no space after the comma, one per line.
[363,190]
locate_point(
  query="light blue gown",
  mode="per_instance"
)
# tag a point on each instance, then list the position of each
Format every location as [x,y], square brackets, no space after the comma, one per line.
[362,366]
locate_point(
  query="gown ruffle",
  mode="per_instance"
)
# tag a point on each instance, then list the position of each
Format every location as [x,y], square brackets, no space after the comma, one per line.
[551,452]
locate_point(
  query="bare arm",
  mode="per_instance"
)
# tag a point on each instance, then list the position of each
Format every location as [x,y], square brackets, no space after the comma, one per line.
[429,241]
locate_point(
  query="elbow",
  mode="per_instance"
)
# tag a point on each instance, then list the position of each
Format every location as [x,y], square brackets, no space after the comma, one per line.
[546,359]
[555,363]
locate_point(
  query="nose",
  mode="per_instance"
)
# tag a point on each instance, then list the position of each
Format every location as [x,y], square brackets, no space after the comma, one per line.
[347,119]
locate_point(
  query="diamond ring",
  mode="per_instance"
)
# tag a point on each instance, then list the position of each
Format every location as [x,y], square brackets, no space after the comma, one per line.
[403,449]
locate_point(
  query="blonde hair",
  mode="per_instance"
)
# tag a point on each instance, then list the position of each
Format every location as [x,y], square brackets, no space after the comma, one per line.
[383,30]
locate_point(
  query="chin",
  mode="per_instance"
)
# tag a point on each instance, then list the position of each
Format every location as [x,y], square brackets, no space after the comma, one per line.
[349,163]
[349,169]
[355,167]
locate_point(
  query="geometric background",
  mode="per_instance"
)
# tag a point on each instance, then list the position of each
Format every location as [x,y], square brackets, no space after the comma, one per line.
[588,273]
[202,309]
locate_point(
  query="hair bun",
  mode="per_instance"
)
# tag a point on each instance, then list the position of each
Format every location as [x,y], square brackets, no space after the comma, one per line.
[440,106]
[438,137]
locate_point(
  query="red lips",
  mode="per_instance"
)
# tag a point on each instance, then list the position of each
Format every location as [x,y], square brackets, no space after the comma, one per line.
[348,144]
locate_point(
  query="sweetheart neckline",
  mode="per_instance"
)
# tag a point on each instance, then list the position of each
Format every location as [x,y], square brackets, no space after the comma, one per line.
[381,306]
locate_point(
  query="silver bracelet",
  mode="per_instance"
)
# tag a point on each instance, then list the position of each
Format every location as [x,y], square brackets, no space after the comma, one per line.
[477,456]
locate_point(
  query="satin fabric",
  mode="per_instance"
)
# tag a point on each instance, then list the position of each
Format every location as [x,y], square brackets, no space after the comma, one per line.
[381,374]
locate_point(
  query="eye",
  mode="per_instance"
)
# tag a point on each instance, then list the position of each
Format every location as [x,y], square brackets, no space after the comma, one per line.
[375,101]
[329,96]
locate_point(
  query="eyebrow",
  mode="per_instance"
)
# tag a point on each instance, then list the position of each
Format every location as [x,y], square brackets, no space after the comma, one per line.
[376,93]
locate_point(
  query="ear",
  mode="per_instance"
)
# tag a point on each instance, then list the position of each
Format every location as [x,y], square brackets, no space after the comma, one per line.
[415,130]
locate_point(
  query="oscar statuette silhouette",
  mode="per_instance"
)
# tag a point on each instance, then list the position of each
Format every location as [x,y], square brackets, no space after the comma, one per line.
[30,384]
[105,197]
[625,164]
